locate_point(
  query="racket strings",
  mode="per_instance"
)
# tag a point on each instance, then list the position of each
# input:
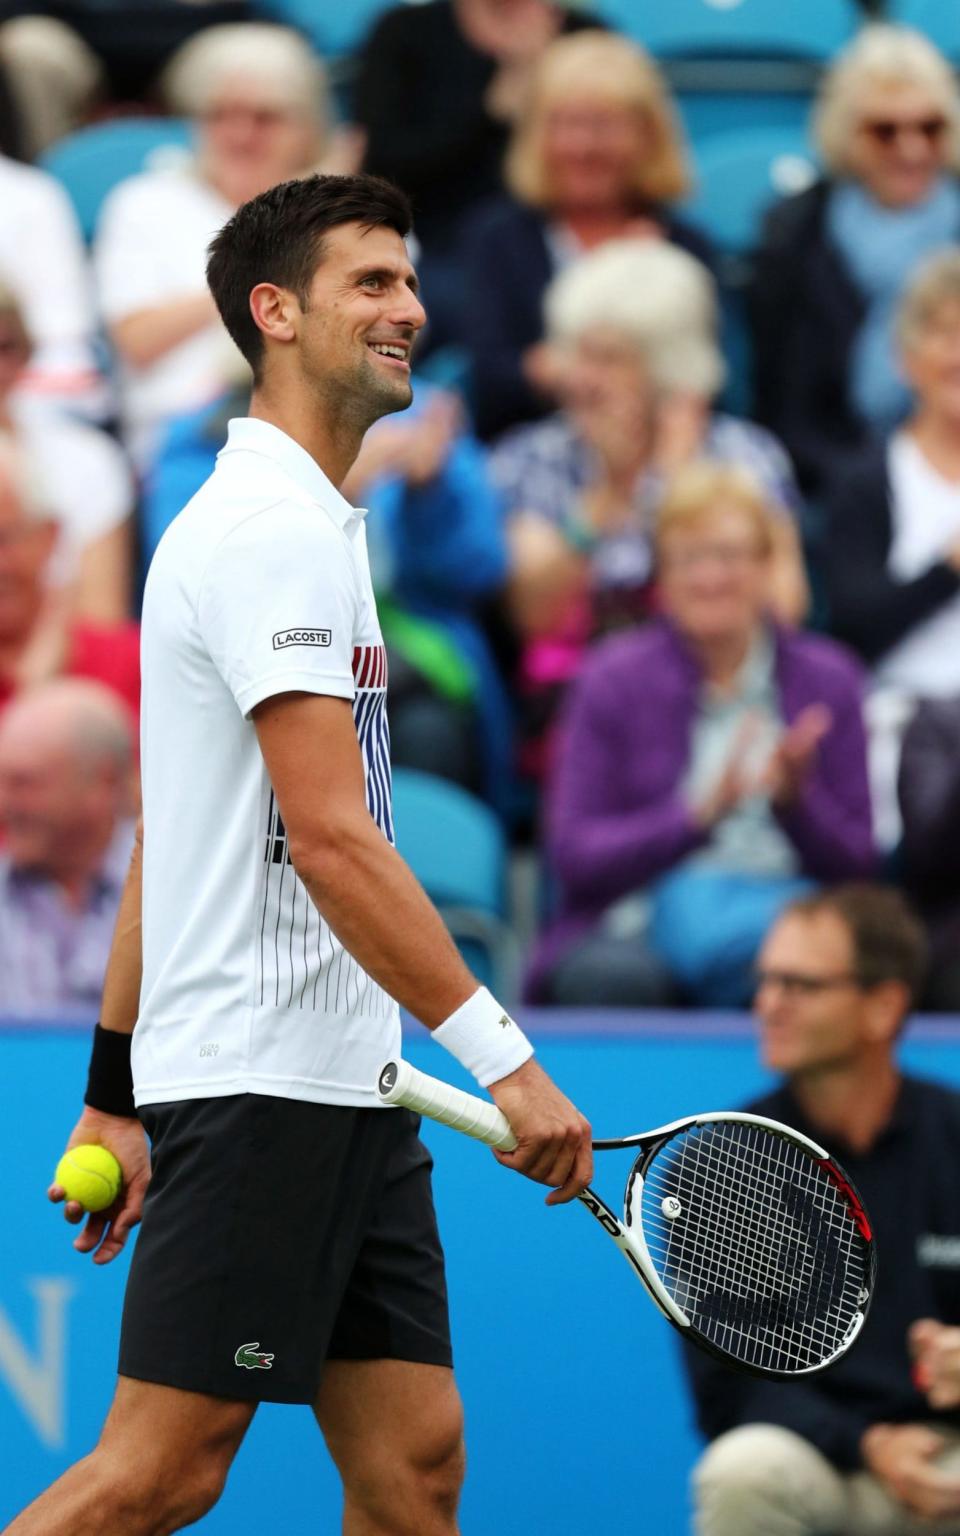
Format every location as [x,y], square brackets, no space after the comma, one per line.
[763,1254]
[748,1298]
[741,1297]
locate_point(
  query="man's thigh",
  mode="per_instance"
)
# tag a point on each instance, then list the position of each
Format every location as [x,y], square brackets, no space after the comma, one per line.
[379,1417]
[164,1427]
[763,1480]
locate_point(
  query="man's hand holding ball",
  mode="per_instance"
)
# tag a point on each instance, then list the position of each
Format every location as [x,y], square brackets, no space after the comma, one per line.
[105,1155]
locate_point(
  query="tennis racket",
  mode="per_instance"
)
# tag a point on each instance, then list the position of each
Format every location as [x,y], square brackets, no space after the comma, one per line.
[750,1238]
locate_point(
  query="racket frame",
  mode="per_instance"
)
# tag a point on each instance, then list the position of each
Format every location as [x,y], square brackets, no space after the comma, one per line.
[401,1084]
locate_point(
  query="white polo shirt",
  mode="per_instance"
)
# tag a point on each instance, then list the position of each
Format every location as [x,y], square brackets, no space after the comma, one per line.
[260,586]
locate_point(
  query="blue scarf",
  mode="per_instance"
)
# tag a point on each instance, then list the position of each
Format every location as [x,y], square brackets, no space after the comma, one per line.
[880,247]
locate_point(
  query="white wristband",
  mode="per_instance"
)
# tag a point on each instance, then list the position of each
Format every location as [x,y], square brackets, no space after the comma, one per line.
[484,1039]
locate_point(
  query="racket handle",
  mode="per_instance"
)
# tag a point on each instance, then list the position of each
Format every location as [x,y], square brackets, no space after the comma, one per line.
[399,1083]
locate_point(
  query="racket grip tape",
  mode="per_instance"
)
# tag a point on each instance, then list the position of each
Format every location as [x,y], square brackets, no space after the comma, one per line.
[400,1083]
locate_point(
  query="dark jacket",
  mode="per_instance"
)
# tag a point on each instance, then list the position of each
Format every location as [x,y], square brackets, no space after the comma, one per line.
[930,804]
[908,1181]
[616,815]
[869,609]
[805,315]
[508,265]
[419,96]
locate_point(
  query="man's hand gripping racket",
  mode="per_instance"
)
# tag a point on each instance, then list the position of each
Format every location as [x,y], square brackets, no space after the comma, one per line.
[749,1238]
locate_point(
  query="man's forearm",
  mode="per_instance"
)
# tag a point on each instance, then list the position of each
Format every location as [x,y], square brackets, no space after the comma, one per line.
[121,984]
[385,920]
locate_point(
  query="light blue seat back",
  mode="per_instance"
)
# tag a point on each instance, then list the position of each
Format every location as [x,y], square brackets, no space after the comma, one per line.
[452,841]
[773,28]
[456,848]
[739,174]
[90,162]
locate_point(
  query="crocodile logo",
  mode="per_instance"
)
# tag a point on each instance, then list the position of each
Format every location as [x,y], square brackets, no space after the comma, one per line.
[252,1358]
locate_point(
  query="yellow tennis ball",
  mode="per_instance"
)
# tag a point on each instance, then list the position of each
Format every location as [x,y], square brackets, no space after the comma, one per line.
[90,1175]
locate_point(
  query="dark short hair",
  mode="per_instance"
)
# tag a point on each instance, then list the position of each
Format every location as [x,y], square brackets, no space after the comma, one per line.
[278,238]
[889,942]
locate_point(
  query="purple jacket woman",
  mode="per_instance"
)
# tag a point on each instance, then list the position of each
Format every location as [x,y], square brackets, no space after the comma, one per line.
[617,818]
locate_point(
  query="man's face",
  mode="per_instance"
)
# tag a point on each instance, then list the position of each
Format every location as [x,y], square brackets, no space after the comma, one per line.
[810,1009]
[357,332]
[47,803]
[249,142]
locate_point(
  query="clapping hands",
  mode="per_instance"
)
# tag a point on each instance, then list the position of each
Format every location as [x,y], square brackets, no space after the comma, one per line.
[780,777]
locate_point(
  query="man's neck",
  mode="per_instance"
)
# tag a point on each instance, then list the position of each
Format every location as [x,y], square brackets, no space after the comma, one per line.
[75,879]
[850,1103]
[333,445]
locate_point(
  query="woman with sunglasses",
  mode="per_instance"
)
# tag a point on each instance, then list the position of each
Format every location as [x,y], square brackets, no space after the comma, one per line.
[834,259]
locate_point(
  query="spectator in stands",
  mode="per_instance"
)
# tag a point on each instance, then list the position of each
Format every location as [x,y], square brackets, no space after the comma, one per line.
[632,329]
[44,262]
[437,90]
[257,95]
[712,765]
[863,1447]
[40,639]
[893,535]
[437,552]
[929,787]
[834,259]
[84,479]
[67,799]
[596,155]
[56,78]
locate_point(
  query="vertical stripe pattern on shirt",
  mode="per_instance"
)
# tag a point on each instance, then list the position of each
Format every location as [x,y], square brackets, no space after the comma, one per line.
[301,964]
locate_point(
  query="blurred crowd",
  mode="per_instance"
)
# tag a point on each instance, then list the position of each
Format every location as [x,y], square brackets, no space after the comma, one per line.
[684,613]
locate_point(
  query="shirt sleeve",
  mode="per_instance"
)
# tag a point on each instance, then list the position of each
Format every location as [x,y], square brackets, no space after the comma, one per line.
[278,606]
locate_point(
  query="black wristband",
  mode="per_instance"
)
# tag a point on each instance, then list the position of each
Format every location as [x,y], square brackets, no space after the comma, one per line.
[110,1079]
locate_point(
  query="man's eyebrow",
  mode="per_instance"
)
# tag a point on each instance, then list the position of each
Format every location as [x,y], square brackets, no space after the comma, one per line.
[379,270]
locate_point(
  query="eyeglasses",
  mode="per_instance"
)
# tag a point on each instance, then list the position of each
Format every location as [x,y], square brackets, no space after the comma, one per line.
[728,556]
[886,131]
[802,984]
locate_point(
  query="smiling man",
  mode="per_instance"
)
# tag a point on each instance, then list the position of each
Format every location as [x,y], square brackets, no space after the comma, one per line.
[859,1449]
[289,1250]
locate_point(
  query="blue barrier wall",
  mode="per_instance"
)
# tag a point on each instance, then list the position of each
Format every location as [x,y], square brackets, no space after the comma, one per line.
[569,1377]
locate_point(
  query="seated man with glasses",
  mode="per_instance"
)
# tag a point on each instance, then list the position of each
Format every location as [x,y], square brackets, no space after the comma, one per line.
[859,1450]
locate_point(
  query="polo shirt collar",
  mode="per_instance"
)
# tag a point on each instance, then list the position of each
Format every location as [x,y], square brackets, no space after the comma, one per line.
[247,434]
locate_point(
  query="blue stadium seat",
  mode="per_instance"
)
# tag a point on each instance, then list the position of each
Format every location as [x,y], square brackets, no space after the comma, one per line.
[334,30]
[768,28]
[90,162]
[939,19]
[739,174]
[456,848]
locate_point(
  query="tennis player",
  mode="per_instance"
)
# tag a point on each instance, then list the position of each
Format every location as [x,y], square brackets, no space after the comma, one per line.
[289,1250]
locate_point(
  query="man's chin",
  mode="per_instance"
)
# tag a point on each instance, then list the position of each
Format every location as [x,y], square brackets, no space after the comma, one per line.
[397,397]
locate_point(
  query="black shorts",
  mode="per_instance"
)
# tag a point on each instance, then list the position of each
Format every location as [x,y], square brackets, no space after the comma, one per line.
[277,1235]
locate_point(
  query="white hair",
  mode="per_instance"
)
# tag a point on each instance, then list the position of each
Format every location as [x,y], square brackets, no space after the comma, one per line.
[275,60]
[655,296]
[890,56]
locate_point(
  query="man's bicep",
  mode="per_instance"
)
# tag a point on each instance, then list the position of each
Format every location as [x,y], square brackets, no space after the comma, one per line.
[310,748]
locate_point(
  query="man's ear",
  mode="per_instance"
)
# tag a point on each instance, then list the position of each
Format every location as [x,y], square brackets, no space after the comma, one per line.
[275,311]
[887,1005]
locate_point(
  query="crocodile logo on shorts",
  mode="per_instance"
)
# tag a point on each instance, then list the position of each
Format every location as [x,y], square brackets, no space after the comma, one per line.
[252,1358]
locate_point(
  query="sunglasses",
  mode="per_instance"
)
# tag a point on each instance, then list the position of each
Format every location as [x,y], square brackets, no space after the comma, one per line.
[888,130]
